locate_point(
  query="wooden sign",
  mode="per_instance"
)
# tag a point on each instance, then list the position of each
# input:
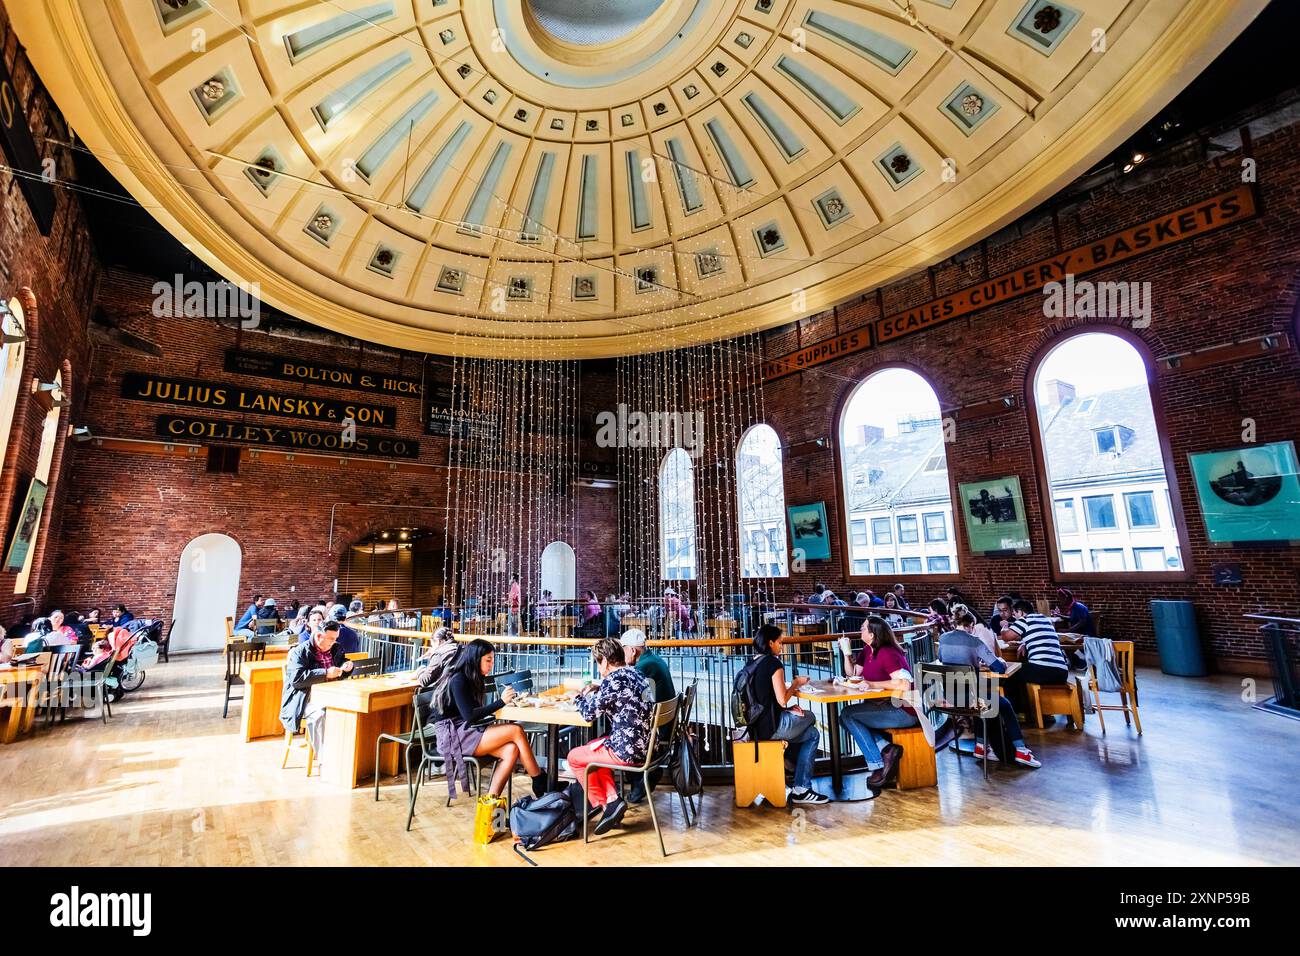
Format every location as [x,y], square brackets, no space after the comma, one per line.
[268,365]
[195,394]
[1189,222]
[34,179]
[186,428]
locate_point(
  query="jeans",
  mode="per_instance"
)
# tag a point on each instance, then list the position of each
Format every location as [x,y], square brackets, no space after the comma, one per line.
[801,733]
[863,720]
[512,623]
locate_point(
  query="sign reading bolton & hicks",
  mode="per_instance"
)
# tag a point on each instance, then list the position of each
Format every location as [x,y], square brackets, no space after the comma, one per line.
[1189,222]
[183,391]
[188,428]
[267,365]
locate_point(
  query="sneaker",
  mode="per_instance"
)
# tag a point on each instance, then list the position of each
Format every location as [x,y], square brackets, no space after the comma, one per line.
[809,798]
[979,753]
[612,816]
[1026,758]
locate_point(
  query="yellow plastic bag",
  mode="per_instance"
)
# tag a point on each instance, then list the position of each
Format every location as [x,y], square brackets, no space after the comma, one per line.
[487,812]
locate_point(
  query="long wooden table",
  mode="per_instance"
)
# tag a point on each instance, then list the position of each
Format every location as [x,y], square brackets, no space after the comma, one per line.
[21,682]
[263,689]
[358,710]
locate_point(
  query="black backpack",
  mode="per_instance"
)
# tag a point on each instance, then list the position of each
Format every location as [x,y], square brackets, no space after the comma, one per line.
[748,710]
[540,821]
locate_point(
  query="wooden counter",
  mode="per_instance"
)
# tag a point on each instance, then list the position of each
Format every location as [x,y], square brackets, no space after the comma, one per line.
[359,710]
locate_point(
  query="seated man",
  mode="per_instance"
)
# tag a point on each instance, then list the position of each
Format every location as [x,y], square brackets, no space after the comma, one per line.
[268,619]
[620,697]
[349,639]
[318,659]
[1001,619]
[1039,648]
[654,669]
[121,616]
[246,620]
[1075,612]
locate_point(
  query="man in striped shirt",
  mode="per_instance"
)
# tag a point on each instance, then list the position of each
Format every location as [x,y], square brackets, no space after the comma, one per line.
[1040,651]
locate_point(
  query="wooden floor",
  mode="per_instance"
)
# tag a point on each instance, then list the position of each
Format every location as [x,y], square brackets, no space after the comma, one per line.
[168,782]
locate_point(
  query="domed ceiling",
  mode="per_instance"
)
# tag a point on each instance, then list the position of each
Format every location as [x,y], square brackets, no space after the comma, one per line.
[600,177]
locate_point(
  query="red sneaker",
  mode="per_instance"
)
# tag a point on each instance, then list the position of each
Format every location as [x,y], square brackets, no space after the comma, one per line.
[1026,758]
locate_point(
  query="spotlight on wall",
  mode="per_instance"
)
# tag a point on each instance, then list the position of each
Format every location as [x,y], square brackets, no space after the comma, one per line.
[79,433]
[11,338]
[55,391]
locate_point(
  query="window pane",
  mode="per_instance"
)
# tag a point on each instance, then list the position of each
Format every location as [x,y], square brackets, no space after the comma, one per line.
[1100,510]
[1067,519]
[895,471]
[1098,435]
[677,515]
[858,533]
[1141,509]
[1150,559]
[937,565]
[760,493]
[861,567]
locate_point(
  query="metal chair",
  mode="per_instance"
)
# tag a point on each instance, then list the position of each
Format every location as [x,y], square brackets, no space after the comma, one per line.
[408,741]
[56,676]
[663,715]
[76,683]
[422,726]
[959,697]
[366,667]
[236,653]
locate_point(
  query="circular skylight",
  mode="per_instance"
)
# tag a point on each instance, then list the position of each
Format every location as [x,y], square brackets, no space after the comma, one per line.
[592,22]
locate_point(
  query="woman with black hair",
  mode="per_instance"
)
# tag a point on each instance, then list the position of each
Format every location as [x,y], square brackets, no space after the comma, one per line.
[460,729]
[883,664]
[777,721]
[41,629]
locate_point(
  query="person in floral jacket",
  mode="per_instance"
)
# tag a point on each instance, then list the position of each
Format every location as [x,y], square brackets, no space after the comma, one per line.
[622,698]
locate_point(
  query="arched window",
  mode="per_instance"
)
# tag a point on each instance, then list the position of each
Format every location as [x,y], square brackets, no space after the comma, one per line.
[1106,478]
[760,492]
[677,516]
[559,571]
[898,500]
[11,368]
[28,536]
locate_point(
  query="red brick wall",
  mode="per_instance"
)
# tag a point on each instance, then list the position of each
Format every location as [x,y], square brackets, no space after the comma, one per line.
[1238,283]
[54,278]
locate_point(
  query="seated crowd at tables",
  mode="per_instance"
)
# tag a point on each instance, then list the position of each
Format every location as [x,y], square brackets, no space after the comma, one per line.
[60,630]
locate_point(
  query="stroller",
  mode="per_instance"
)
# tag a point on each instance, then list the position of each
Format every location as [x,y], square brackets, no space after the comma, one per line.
[138,652]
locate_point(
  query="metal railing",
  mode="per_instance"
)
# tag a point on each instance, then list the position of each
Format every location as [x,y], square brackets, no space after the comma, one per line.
[1281,636]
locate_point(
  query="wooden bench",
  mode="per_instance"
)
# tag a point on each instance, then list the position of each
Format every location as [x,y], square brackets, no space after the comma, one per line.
[917,768]
[1052,699]
[764,776]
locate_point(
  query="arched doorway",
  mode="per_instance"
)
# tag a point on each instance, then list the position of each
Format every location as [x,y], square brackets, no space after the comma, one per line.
[207,592]
[559,571]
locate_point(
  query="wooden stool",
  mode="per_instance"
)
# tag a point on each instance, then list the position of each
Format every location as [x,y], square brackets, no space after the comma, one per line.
[1052,699]
[917,767]
[763,777]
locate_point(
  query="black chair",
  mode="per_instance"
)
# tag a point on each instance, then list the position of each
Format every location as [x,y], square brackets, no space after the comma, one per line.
[164,646]
[954,690]
[236,653]
[57,676]
[366,667]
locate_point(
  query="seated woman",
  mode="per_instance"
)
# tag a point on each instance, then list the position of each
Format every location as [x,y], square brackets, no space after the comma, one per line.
[962,646]
[620,698]
[462,730]
[939,615]
[891,604]
[41,629]
[782,722]
[6,648]
[884,665]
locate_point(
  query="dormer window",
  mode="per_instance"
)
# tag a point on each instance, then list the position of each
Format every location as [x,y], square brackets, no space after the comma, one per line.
[1086,405]
[1113,440]
[936,464]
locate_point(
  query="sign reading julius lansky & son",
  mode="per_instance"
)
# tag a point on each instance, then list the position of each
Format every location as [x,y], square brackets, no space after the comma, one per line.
[267,365]
[181,428]
[232,398]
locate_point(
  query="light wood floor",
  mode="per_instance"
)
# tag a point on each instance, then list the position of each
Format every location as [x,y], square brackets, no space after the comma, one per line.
[168,782]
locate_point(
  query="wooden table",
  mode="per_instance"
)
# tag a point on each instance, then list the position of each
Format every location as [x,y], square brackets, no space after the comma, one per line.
[23,683]
[832,695]
[554,718]
[263,689]
[359,709]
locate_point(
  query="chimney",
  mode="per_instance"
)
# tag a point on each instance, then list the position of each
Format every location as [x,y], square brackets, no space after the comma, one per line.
[1059,393]
[872,434]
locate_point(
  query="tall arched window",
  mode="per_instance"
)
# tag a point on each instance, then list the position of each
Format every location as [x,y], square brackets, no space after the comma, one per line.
[760,492]
[898,500]
[677,516]
[11,368]
[1105,466]
[30,524]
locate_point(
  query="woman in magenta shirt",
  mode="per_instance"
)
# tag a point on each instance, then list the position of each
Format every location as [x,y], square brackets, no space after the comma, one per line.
[884,666]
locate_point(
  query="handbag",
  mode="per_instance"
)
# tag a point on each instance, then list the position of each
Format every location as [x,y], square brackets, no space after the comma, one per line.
[684,767]
[487,813]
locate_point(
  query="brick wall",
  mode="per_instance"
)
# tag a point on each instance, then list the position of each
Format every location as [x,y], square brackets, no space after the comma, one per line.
[1224,287]
[53,277]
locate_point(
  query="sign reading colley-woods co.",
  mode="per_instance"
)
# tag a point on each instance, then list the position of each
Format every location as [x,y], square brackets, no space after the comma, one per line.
[182,428]
[1174,227]
[194,394]
[266,365]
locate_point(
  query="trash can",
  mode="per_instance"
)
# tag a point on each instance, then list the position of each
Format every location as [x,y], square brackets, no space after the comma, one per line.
[1177,638]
